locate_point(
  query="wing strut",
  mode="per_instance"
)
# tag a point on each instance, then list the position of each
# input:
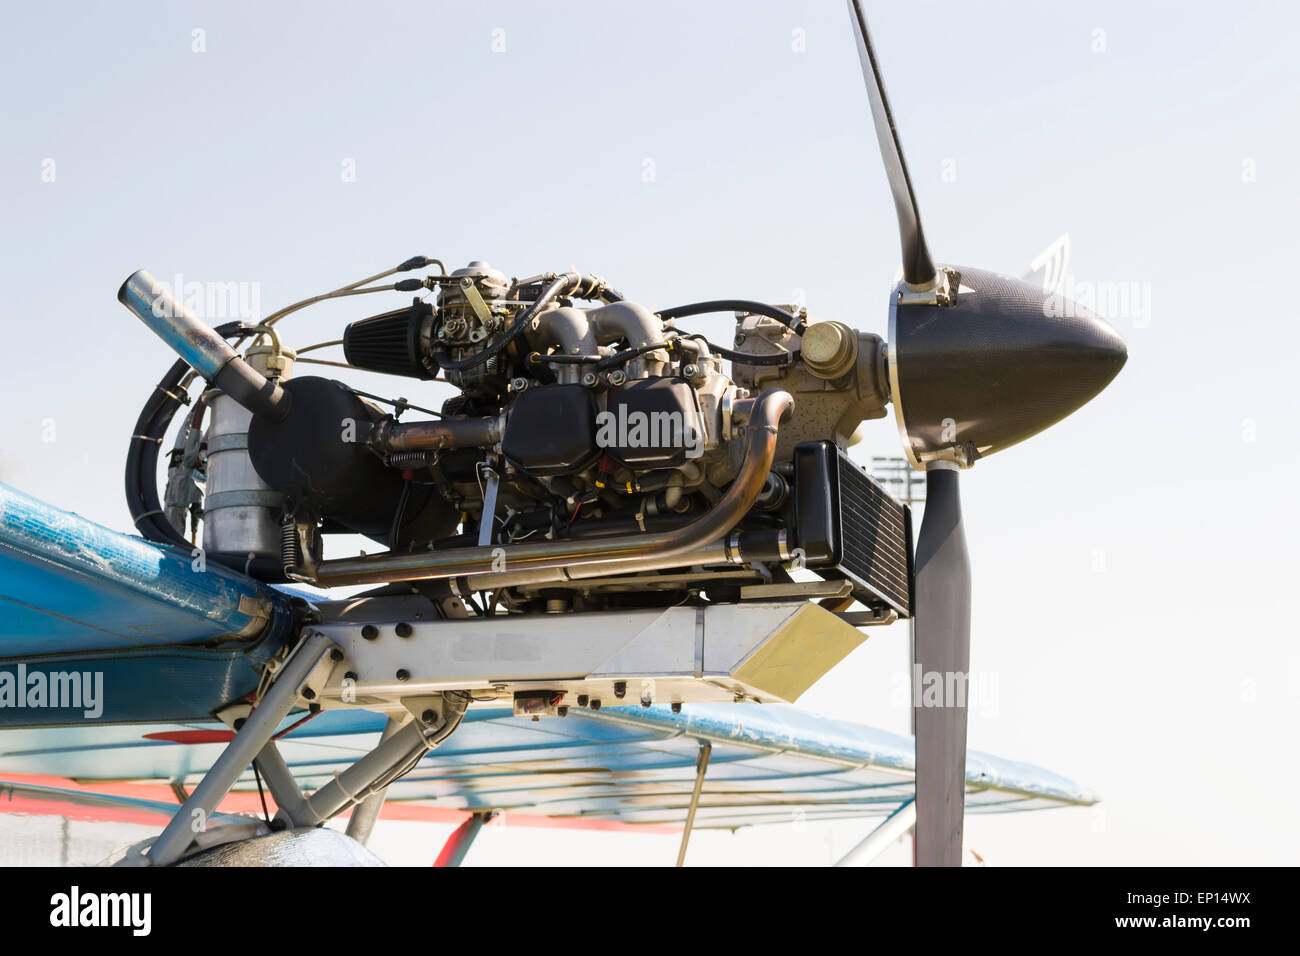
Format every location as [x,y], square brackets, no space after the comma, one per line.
[701,767]
[403,744]
[462,838]
[366,812]
[885,833]
[253,736]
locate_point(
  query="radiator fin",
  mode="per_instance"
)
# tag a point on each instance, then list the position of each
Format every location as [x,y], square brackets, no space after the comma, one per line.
[875,536]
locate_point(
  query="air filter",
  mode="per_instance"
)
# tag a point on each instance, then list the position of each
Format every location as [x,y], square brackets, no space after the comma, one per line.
[392,343]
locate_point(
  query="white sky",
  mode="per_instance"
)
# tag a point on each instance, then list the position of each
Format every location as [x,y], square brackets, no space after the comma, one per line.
[1133,566]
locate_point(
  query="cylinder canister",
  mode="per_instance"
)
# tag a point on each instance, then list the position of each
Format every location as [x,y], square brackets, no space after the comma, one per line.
[241,513]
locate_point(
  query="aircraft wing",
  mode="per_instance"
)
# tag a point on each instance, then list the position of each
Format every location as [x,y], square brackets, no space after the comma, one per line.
[629,764]
[186,640]
[175,638]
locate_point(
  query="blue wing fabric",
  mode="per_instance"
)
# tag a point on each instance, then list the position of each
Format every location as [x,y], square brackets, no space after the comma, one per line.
[631,764]
[68,584]
[174,637]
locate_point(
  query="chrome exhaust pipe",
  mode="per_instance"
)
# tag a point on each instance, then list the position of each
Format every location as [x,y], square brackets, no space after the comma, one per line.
[198,344]
[617,553]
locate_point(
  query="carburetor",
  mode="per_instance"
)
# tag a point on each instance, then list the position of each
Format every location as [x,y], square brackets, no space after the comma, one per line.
[472,309]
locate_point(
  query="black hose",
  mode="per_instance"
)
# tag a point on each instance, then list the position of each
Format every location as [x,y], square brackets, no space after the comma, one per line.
[745,358]
[791,322]
[579,286]
[600,363]
[537,358]
[625,356]
[141,476]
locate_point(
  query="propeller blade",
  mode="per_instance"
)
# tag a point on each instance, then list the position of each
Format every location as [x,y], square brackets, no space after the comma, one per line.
[940,669]
[918,268]
[977,362]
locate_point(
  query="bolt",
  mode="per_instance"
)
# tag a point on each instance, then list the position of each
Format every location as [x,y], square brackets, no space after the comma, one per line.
[617,377]
[690,371]
[590,379]
[677,707]
[518,383]
[429,716]
[620,688]
[336,655]
[582,700]
[595,703]
[404,630]
[370,632]
[403,674]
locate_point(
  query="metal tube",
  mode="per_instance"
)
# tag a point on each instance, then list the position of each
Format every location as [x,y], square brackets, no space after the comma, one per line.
[239,753]
[719,552]
[701,767]
[364,815]
[562,556]
[199,344]
[885,833]
[461,839]
[280,781]
[394,752]
[192,338]
[354,784]
[390,437]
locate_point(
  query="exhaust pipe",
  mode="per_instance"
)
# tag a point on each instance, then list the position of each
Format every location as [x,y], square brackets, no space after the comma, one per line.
[390,437]
[199,345]
[664,548]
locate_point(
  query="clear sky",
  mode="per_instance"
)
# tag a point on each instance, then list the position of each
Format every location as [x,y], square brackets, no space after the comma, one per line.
[1134,567]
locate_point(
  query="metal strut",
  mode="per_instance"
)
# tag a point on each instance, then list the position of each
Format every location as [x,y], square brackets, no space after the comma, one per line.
[462,838]
[366,812]
[251,738]
[429,719]
[885,833]
[701,766]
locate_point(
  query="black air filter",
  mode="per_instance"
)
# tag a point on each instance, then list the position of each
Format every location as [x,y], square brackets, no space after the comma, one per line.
[846,522]
[391,343]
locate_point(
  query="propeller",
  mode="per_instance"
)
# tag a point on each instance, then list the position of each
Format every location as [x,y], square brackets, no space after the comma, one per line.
[977,362]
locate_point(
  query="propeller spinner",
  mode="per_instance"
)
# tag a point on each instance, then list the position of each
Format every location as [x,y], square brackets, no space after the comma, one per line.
[977,362]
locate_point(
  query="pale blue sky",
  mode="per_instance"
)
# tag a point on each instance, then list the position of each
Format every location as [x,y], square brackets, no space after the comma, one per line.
[1133,567]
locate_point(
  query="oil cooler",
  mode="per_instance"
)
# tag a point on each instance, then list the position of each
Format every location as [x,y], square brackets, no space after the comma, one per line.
[847,525]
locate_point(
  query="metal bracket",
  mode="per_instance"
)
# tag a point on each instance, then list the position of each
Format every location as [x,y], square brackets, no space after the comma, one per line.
[810,590]
[941,291]
[769,651]
[470,291]
[488,520]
